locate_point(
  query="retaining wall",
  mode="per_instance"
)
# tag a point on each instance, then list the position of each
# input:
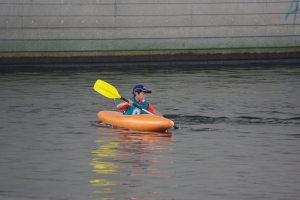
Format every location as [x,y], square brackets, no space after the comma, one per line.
[142,27]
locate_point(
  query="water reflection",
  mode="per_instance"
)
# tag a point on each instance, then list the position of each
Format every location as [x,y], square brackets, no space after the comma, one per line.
[124,156]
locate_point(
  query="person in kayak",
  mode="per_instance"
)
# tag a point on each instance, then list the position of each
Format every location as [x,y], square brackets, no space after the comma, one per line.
[139,94]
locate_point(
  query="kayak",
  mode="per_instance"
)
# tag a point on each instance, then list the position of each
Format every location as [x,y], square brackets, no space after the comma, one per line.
[141,122]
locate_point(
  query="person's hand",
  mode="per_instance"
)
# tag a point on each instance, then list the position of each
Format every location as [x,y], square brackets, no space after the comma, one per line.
[130,102]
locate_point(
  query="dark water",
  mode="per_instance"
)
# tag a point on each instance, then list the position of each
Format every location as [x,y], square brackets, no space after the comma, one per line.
[239,136]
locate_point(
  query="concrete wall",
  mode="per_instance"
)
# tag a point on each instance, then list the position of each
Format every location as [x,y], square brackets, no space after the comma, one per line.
[77,27]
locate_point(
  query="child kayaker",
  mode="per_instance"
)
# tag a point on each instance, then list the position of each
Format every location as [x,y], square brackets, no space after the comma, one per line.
[139,94]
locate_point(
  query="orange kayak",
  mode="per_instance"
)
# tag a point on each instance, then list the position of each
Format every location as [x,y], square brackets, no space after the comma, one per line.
[142,122]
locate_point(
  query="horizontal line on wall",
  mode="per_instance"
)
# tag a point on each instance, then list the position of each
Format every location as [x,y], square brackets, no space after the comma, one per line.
[190,15]
[162,38]
[152,27]
[139,27]
[210,3]
[140,15]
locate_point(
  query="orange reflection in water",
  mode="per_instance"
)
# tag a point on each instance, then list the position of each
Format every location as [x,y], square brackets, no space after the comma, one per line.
[138,146]
[128,153]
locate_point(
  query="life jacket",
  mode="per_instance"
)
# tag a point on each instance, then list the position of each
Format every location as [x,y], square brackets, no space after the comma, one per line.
[132,110]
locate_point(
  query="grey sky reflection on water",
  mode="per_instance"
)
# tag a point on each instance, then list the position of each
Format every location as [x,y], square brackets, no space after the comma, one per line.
[239,135]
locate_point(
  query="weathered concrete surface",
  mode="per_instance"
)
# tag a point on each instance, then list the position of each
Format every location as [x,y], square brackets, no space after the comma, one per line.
[33,28]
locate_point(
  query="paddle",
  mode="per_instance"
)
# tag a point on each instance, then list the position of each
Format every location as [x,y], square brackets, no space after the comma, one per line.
[111,92]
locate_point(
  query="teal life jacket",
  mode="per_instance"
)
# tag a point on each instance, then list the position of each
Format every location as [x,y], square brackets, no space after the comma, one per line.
[132,110]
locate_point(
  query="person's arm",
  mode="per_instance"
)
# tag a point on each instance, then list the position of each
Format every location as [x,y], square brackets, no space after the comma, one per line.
[124,105]
[155,112]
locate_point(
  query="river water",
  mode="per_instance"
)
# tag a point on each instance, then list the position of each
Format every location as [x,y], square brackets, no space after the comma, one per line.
[239,135]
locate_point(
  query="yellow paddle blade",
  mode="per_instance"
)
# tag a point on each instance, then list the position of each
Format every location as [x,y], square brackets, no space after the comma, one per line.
[106,90]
